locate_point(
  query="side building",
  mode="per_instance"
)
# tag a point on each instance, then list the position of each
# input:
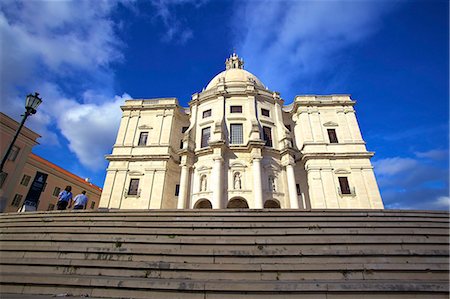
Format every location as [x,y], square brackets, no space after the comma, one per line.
[238,146]
[29,176]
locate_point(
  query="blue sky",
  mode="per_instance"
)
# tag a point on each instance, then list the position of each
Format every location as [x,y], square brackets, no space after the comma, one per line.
[87,57]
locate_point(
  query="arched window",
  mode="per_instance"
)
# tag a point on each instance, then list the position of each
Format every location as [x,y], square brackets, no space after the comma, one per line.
[237,203]
[203,204]
[272,204]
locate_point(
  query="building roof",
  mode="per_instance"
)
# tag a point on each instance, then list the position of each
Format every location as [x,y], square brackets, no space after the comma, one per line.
[65,172]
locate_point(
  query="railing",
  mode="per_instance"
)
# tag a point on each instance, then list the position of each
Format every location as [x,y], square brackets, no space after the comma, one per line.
[352,192]
[125,193]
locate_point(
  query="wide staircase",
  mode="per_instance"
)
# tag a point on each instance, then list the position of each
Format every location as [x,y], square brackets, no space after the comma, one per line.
[225,254]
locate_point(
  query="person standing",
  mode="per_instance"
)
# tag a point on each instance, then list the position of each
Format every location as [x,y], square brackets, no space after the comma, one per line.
[80,201]
[64,198]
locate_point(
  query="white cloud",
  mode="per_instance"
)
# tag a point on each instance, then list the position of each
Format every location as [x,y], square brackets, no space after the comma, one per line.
[285,42]
[176,30]
[91,128]
[392,166]
[414,183]
[64,50]
[435,154]
[442,202]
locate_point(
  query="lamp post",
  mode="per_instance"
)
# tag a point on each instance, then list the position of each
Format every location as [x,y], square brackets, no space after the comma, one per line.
[31,103]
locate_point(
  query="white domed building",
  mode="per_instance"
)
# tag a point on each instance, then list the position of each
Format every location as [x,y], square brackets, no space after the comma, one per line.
[238,146]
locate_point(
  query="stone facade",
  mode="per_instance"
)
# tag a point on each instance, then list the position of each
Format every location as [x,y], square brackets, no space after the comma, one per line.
[237,145]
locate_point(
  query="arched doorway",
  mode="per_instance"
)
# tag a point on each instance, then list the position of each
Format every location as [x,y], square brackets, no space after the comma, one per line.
[272,204]
[203,204]
[237,203]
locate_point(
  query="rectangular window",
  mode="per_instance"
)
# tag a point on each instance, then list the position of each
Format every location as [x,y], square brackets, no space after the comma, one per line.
[143,138]
[43,188]
[92,204]
[343,183]
[134,186]
[206,134]
[184,129]
[3,176]
[25,180]
[267,135]
[181,144]
[207,113]
[13,153]
[51,207]
[177,190]
[16,201]
[332,135]
[56,191]
[298,189]
[265,112]
[235,109]
[236,134]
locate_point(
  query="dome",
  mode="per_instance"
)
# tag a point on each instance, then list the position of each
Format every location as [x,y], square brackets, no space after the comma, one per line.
[234,73]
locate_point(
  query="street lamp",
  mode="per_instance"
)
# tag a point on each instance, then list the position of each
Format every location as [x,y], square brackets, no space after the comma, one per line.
[31,103]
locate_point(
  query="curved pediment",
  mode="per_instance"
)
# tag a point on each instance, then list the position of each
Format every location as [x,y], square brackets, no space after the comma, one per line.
[330,124]
[341,171]
[145,127]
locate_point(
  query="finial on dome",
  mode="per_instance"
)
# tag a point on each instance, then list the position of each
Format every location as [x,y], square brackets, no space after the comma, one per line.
[234,62]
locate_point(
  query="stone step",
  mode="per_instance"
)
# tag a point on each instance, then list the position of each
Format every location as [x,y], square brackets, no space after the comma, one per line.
[224,267]
[212,285]
[227,249]
[404,258]
[209,231]
[76,216]
[318,238]
[221,254]
[233,275]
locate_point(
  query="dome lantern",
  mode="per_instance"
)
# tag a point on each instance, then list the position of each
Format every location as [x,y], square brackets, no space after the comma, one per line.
[234,62]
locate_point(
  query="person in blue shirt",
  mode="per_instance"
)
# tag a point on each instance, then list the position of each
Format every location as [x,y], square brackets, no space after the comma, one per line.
[80,201]
[64,198]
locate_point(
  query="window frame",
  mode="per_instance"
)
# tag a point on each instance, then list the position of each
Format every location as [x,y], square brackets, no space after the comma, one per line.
[177,190]
[240,135]
[143,138]
[332,136]
[207,113]
[56,193]
[269,141]
[134,191]
[238,107]
[344,185]
[3,177]
[16,200]
[205,142]
[12,156]
[25,180]
[265,112]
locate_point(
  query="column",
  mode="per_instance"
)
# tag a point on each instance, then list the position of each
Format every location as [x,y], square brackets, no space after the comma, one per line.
[183,187]
[293,200]
[216,183]
[353,125]
[257,186]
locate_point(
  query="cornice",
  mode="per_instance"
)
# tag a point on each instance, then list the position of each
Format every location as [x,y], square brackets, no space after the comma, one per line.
[334,156]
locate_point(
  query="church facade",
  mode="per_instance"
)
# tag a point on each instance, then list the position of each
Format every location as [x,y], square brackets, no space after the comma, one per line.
[238,146]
